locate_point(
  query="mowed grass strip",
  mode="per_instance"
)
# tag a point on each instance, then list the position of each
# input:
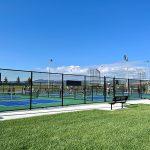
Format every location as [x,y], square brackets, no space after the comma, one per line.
[127,129]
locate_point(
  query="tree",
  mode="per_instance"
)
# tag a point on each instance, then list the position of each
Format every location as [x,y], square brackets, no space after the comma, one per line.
[18,80]
[5,80]
[29,80]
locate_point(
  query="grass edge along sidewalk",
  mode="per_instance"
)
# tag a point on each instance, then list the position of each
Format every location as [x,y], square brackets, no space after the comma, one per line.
[94,129]
[56,110]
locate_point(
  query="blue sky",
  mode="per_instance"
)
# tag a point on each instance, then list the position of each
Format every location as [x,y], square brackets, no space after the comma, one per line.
[73,32]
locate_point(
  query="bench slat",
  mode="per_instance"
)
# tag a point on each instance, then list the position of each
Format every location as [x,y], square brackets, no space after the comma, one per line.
[119,99]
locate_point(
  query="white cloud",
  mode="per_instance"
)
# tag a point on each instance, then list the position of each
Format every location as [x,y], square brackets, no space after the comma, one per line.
[121,70]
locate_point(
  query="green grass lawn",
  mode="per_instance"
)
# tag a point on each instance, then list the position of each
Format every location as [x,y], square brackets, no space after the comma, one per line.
[127,129]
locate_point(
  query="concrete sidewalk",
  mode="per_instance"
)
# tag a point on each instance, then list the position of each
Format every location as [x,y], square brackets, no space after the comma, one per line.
[56,110]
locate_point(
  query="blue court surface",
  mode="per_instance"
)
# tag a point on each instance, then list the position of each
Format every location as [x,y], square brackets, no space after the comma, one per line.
[27,102]
[9,97]
[45,101]
[95,97]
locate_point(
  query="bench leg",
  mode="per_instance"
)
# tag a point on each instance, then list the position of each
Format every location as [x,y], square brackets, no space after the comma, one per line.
[111,106]
[122,105]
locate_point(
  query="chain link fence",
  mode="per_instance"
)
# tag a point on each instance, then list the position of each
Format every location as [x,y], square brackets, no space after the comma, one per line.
[21,89]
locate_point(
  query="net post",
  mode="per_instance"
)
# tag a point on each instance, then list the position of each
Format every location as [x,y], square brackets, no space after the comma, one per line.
[31,90]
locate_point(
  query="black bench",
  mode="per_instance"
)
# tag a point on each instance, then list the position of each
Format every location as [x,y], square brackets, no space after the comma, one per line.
[119,99]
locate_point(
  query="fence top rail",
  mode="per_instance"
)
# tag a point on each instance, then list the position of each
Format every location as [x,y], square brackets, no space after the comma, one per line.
[15,70]
[47,72]
[29,71]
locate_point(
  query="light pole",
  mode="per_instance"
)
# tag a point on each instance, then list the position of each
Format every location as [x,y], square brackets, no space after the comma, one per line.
[50,61]
[140,75]
[99,75]
[101,67]
[100,72]
[126,60]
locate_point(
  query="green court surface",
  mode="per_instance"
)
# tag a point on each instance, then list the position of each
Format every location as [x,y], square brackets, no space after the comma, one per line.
[20,102]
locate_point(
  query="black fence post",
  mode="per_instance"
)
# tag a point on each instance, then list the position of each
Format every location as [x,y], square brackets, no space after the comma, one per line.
[104,92]
[0,78]
[140,90]
[31,84]
[92,92]
[62,90]
[84,89]
[114,87]
[128,87]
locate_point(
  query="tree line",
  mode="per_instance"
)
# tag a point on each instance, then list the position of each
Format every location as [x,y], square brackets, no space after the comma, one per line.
[17,80]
